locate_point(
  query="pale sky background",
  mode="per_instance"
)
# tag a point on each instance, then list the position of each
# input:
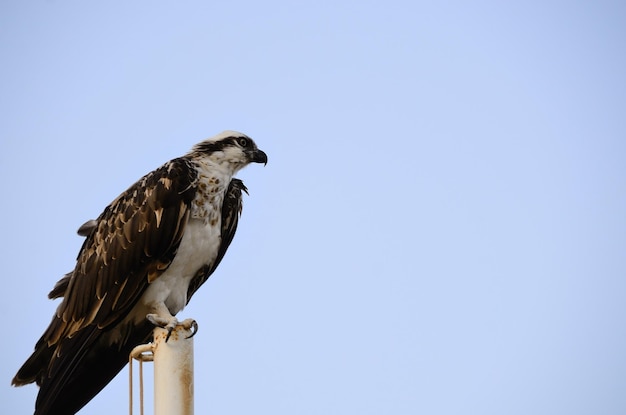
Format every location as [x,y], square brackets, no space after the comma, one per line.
[440,229]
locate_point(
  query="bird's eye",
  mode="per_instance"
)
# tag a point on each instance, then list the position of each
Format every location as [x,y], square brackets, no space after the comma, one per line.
[243,142]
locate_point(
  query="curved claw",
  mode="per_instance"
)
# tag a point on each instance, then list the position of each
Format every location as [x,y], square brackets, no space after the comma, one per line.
[170,324]
[194,329]
[169,332]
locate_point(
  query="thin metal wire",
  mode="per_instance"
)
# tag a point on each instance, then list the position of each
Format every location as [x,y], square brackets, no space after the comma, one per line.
[141,387]
[130,384]
[142,353]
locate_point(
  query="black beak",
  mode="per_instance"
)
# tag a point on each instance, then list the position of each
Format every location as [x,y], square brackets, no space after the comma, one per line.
[259,156]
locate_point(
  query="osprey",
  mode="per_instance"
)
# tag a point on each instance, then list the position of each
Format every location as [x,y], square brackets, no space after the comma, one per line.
[143,259]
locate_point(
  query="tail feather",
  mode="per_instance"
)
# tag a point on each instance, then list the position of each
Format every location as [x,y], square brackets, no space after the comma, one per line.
[83,374]
[35,366]
[70,377]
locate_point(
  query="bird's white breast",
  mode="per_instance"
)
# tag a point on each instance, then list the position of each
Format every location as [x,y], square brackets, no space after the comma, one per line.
[199,245]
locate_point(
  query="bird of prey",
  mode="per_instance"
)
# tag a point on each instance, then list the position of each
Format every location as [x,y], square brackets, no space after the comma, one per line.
[142,260]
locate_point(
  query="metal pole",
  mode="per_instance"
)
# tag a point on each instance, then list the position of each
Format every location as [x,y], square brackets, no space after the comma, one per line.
[173,372]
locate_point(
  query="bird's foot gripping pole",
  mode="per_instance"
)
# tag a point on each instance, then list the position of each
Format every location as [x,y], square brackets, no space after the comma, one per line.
[173,367]
[170,322]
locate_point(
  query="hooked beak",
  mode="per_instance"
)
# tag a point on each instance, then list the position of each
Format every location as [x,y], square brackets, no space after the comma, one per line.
[259,156]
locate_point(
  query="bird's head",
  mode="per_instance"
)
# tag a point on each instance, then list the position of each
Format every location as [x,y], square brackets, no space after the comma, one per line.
[230,149]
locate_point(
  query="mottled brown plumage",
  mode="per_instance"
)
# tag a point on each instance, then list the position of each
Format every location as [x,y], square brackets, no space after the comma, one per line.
[128,248]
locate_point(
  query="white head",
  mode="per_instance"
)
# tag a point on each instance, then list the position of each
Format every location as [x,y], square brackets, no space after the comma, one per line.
[231,148]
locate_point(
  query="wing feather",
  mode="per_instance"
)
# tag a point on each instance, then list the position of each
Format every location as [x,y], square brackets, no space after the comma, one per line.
[127,241]
[126,248]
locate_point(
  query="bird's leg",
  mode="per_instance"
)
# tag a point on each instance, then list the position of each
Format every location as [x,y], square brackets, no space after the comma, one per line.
[163,318]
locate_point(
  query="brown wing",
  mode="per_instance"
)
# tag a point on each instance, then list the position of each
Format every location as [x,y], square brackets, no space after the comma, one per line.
[231,210]
[134,241]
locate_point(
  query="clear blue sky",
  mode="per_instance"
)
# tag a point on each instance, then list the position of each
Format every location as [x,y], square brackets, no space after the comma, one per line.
[440,229]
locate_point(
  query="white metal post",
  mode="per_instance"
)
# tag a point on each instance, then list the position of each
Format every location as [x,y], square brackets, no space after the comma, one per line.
[173,372]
